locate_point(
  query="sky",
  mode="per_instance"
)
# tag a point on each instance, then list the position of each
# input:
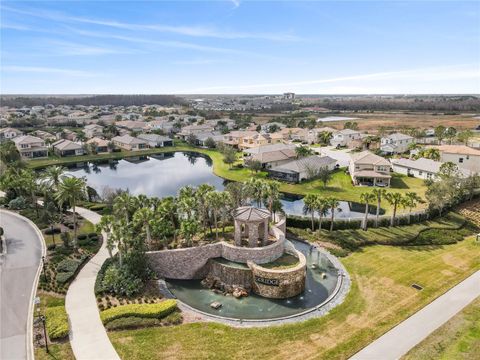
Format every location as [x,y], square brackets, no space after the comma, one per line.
[239,47]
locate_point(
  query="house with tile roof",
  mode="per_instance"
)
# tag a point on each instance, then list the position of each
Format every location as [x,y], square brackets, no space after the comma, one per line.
[129,143]
[64,147]
[301,169]
[463,156]
[31,147]
[369,169]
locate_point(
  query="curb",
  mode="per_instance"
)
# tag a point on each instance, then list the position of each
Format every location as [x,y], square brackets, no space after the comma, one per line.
[30,350]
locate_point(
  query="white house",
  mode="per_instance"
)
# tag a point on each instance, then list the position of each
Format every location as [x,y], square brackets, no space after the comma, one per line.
[344,137]
[396,143]
[9,134]
[422,168]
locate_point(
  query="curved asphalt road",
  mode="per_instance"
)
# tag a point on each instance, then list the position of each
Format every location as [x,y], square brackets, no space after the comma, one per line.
[18,278]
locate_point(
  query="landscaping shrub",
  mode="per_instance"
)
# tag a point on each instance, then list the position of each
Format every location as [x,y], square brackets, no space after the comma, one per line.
[440,236]
[56,322]
[67,265]
[92,234]
[121,282]
[51,247]
[157,311]
[82,237]
[18,203]
[63,277]
[67,268]
[99,287]
[131,322]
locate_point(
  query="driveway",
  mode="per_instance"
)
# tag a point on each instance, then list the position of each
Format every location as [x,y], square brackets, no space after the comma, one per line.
[18,280]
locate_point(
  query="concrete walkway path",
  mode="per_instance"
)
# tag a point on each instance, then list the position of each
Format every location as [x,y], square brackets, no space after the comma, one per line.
[398,341]
[88,336]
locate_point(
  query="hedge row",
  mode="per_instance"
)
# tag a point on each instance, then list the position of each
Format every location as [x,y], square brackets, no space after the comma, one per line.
[56,322]
[304,222]
[157,311]
[133,322]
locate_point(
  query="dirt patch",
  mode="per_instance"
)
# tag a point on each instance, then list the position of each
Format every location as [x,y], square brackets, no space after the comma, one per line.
[124,340]
[455,262]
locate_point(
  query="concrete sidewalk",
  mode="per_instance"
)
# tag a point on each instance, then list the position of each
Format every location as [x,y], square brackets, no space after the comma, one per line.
[398,341]
[88,336]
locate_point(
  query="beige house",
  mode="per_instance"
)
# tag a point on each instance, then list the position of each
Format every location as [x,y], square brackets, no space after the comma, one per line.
[257,140]
[463,156]
[66,147]
[101,145]
[235,138]
[9,134]
[194,130]
[129,143]
[345,137]
[31,147]
[369,169]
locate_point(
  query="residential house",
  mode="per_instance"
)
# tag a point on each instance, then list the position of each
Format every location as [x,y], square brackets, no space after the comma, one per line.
[463,156]
[132,125]
[345,137]
[31,147]
[44,135]
[268,126]
[64,147]
[92,130]
[129,143]
[204,136]
[422,168]
[154,140]
[396,143]
[8,134]
[301,169]
[188,130]
[235,138]
[218,124]
[369,169]
[259,140]
[66,134]
[271,155]
[101,145]
[164,125]
[294,134]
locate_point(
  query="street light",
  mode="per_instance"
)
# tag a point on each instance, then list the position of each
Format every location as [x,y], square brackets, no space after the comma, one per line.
[43,319]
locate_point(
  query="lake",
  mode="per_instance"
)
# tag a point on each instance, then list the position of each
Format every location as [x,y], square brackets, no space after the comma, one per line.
[164,174]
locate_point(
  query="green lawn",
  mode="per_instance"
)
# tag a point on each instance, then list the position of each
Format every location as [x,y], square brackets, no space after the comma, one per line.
[381,296]
[340,186]
[459,338]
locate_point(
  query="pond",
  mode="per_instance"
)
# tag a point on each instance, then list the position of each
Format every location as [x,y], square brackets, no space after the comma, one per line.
[164,174]
[317,290]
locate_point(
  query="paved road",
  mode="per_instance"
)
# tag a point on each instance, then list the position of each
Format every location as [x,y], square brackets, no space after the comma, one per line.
[88,337]
[398,341]
[18,274]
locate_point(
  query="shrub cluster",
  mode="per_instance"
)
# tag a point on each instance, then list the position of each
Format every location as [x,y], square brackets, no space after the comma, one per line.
[99,287]
[133,322]
[56,322]
[156,311]
[67,268]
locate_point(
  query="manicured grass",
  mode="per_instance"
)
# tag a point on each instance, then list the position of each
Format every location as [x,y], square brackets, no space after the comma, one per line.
[459,338]
[340,186]
[381,296]
[58,351]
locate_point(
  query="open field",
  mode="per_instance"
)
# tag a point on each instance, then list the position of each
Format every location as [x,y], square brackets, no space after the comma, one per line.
[381,296]
[459,338]
[340,186]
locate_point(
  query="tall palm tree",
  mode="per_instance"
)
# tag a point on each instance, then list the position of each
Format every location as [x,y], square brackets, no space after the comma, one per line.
[333,203]
[53,175]
[325,137]
[144,217]
[309,207]
[70,191]
[321,206]
[215,201]
[106,225]
[394,199]
[367,198]
[186,201]
[272,193]
[379,194]
[410,201]
[124,205]
[226,209]
[256,189]
[202,204]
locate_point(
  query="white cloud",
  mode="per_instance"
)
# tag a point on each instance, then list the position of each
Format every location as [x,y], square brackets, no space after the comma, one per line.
[236,3]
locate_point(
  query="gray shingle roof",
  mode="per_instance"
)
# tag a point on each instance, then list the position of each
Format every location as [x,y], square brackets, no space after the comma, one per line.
[313,162]
[250,213]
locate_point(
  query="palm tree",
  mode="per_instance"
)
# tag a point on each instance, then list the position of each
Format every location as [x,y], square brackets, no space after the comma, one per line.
[367,198]
[410,200]
[321,206]
[333,204]
[271,193]
[256,189]
[379,194]
[303,151]
[187,200]
[70,191]
[123,205]
[394,199]
[309,206]
[202,204]
[325,137]
[53,175]
[144,217]
[225,210]
[106,225]
[215,201]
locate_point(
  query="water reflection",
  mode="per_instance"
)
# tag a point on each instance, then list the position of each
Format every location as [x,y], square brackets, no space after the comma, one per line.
[164,174]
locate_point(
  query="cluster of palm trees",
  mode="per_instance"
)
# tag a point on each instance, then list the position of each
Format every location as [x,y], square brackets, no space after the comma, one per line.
[395,199]
[317,204]
[58,191]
